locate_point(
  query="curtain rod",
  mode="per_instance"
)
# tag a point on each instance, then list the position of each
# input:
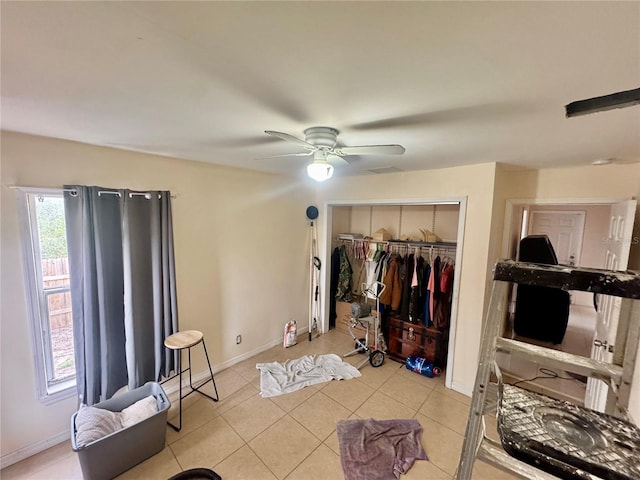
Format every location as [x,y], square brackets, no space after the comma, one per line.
[74,192]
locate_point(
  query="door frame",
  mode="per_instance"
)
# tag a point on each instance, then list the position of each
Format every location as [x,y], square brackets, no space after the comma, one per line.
[512,204]
[326,235]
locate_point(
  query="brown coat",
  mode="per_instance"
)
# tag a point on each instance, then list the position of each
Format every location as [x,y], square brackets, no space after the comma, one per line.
[393,292]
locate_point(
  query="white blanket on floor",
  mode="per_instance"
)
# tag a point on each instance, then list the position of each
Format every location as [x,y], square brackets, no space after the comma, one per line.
[278,378]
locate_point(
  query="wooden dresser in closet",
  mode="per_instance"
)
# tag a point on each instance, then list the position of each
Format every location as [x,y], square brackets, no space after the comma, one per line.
[406,338]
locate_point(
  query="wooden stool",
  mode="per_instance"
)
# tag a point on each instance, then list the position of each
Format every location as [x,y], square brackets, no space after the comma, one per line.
[180,341]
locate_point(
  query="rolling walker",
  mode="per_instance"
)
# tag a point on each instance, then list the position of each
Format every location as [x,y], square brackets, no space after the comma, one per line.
[362,317]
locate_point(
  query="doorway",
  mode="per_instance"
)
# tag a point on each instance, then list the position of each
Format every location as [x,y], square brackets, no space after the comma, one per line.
[443,217]
[579,232]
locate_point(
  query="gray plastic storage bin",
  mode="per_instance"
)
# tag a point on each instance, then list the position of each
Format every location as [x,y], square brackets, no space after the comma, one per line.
[109,456]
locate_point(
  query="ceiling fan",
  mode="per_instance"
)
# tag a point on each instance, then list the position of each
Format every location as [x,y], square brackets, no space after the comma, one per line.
[322,143]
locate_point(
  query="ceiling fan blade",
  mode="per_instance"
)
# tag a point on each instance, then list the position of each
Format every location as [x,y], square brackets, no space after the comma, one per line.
[303,154]
[370,150]
[337,160]
[290,138]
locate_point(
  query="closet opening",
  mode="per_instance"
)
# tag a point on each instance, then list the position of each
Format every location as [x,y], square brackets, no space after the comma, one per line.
[415,248]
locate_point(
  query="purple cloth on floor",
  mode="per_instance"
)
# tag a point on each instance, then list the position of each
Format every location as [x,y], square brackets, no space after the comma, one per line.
[378,449]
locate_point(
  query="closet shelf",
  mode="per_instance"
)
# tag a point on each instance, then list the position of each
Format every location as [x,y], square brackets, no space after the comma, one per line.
[408,243]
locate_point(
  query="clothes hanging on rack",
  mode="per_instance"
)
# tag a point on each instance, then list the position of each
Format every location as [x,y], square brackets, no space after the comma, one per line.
[416,301]
[333,286]
[418,288]
[434,288]
[392,294]
[343,292]
[426,310]
[442,308]
[426,290]
[406,275]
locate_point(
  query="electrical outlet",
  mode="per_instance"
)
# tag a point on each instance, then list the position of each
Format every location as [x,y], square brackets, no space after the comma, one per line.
[238,339]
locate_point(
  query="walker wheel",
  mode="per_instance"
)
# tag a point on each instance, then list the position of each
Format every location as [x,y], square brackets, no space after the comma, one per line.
[358,344]
[376,358]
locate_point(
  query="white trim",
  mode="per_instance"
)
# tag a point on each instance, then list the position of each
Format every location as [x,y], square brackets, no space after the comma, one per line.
[461,389]
[32,303]
[401,201]
[325,234]
[462,215]
[40,190]
[563,201]
[26,218]
[34,448]
[512,203]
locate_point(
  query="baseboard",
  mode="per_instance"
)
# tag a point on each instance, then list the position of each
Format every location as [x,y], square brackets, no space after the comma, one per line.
[30,450]
[170,388]
[461,389]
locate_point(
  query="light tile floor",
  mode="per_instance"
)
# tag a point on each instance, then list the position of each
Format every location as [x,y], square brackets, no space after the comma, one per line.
[293,436]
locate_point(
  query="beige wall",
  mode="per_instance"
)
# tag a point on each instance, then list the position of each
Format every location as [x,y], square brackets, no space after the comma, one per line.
[241,256]
[476,184]
[605,181]
[398,220]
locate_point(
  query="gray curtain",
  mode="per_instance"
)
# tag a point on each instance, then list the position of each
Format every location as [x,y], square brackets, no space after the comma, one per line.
[123,287]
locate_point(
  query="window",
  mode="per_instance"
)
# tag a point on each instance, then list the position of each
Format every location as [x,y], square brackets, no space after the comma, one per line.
[47,276]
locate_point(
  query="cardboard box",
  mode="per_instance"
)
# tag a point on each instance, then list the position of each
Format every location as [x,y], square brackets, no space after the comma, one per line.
[343,320]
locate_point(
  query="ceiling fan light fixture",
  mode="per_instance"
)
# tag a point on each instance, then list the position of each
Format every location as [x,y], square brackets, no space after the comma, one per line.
[320,171]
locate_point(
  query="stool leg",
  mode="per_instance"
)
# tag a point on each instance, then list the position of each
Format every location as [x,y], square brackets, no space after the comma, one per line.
[190,381]
[215,389]
[210,379]
[179,427]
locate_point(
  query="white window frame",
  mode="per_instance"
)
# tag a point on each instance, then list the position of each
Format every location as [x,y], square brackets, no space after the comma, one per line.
[47,392]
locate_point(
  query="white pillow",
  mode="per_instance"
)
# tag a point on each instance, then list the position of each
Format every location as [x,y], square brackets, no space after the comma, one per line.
[139,411]
[93,423]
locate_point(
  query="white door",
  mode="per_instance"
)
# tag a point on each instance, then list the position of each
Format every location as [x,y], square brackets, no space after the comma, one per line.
[616,251]
[564,229]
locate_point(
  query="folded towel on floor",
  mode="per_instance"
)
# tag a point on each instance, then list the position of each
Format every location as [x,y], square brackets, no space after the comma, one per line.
[378,449]
[278,378]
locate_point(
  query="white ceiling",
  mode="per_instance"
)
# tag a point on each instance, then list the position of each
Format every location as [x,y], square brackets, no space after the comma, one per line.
[454,82]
